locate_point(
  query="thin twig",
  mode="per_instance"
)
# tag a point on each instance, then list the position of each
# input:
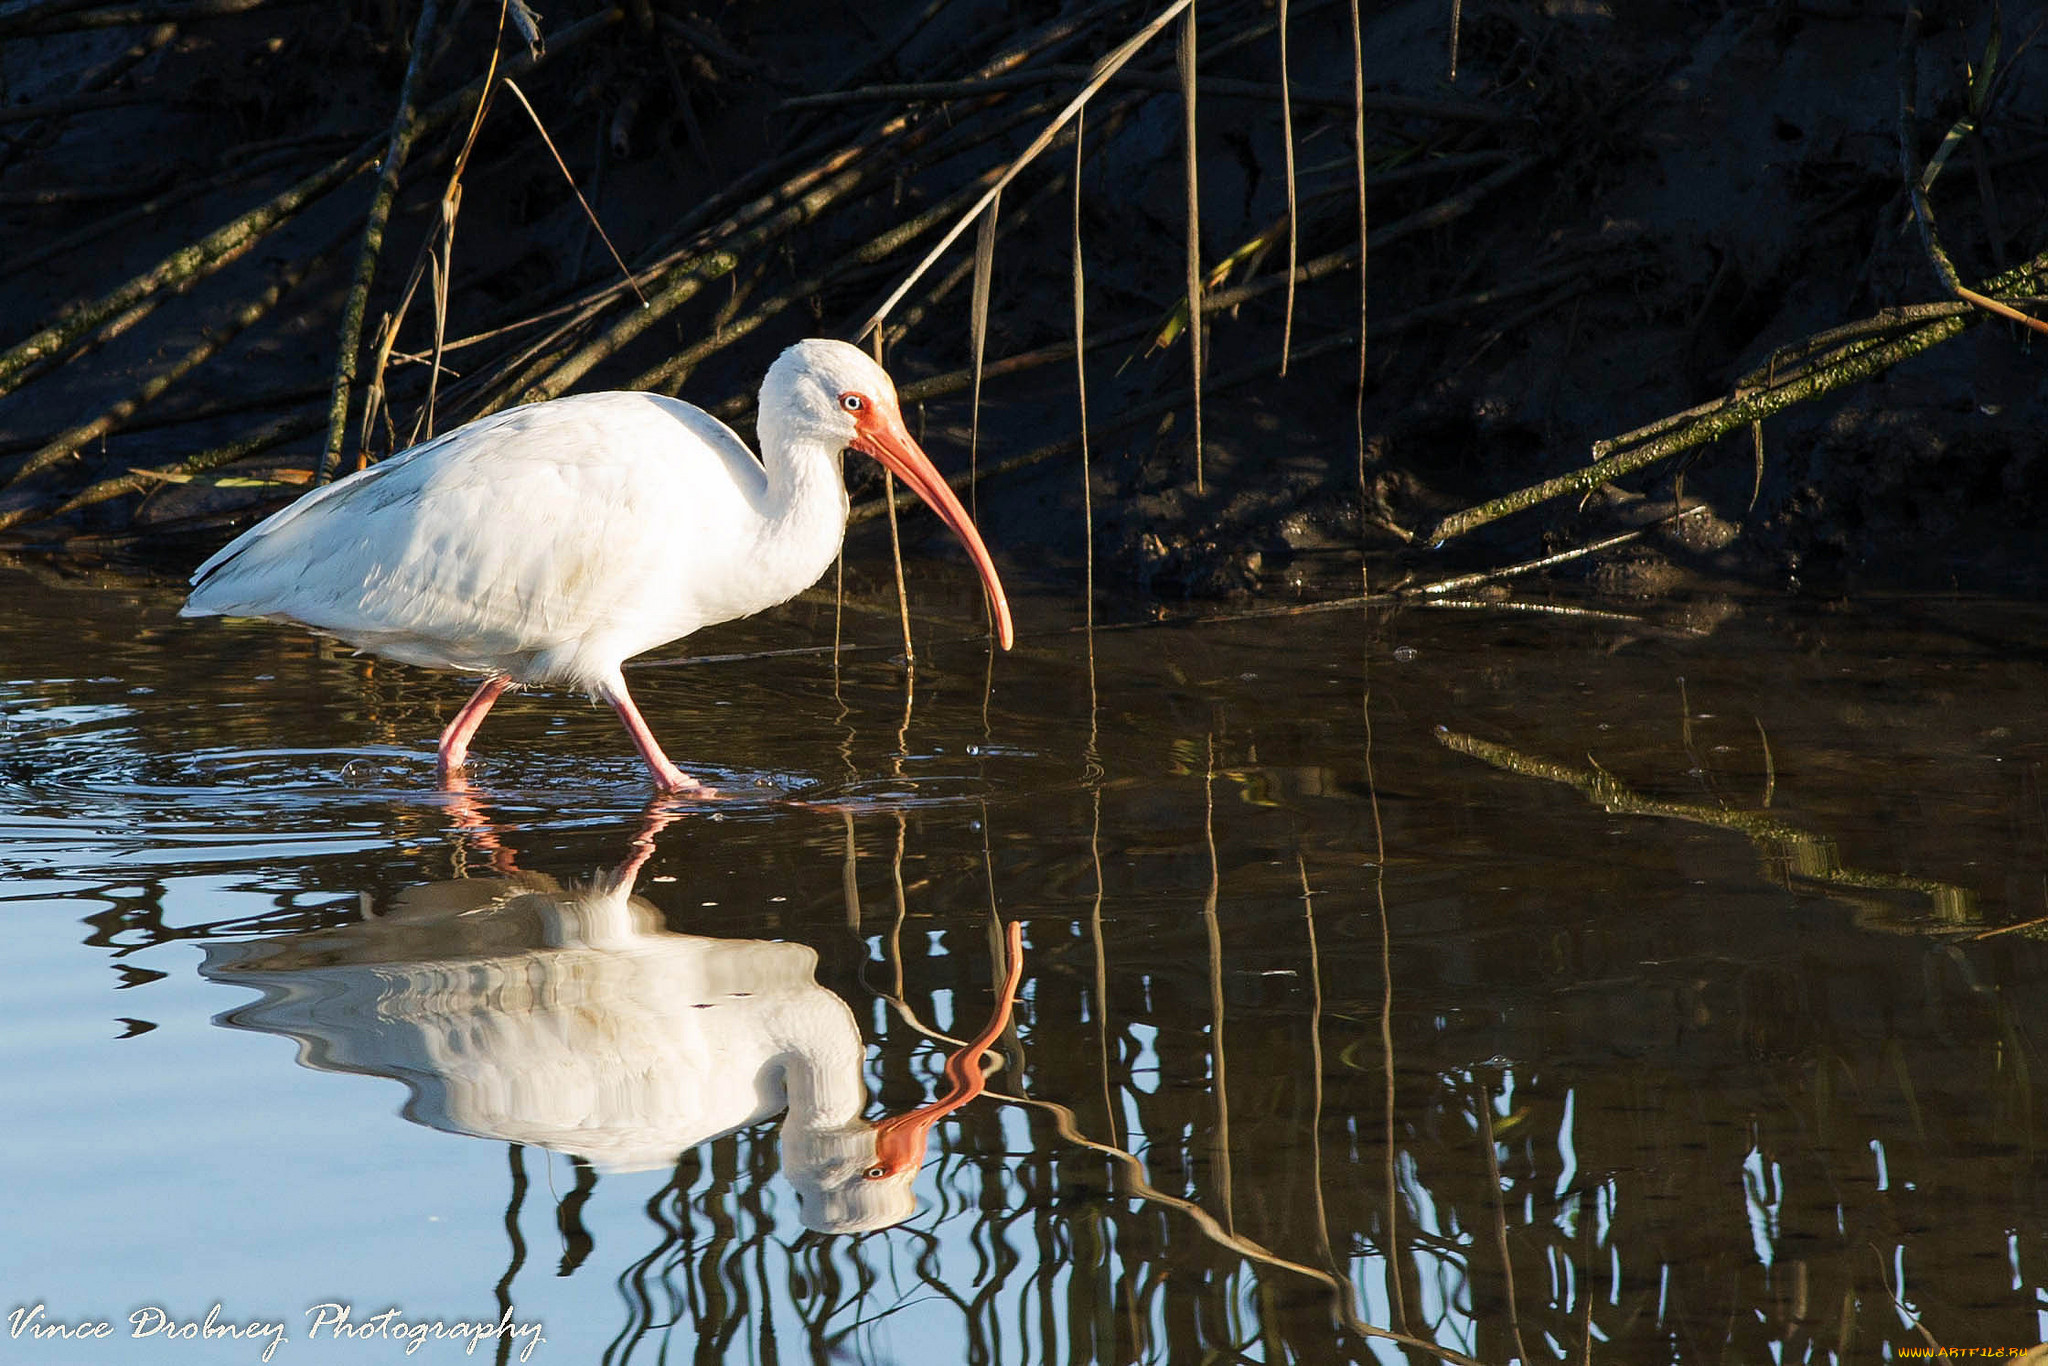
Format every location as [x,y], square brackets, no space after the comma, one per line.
[1463,581]
[588,212]
[1364,242]
[1190,168]
[1293,209]
[1164,82]
[1081,395]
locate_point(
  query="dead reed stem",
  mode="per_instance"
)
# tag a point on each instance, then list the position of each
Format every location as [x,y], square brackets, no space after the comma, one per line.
[1081,432]
[1190,172]
[1293,209]
[1364,237]
[404,128]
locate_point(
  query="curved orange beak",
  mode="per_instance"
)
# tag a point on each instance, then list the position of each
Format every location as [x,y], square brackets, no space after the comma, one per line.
[880,433]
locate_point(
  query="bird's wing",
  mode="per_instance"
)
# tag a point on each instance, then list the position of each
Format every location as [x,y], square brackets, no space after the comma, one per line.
[506,537]
[352,486]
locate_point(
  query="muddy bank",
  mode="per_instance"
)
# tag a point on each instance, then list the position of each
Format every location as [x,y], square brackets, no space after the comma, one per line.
[1607,215]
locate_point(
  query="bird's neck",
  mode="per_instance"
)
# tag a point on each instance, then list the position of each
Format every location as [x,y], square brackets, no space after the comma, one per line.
[806,501]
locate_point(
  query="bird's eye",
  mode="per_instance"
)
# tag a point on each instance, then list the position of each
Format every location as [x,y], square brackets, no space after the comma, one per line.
[877,1173]
[853,403]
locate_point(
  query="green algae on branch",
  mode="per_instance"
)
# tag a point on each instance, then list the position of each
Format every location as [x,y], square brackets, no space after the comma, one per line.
[1852,362]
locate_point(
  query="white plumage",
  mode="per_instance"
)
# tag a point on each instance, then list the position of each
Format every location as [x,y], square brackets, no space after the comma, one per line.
[547,544]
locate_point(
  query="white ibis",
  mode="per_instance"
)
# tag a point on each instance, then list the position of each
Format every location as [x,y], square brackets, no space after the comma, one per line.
[546,545]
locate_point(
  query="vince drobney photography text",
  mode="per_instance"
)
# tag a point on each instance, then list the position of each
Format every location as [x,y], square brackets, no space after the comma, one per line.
[332,1319]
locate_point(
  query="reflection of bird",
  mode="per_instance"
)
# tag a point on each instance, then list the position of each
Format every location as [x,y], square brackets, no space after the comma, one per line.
[517,1009]
[550,543]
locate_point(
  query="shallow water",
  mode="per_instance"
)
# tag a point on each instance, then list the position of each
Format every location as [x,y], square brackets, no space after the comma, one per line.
[1531,986]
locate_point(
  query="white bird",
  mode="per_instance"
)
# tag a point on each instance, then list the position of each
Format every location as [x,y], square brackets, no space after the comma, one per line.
[546,545]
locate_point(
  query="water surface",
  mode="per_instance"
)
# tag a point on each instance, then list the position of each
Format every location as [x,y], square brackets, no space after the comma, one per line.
[1526,985]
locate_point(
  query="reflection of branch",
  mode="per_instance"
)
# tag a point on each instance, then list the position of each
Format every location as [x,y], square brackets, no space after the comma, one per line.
[1136,1183]
[1220,1138]
[503,1289]
[1441,586]
[1904,1310]
[1483,1102]
[1379,896]
[1805,854]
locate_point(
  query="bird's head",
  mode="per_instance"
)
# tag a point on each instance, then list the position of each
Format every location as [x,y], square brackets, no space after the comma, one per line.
[829,389]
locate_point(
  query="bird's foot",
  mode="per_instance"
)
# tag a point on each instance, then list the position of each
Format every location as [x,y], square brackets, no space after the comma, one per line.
[671,781]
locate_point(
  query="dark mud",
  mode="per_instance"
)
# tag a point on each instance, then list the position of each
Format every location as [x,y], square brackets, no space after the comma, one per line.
[1610,214]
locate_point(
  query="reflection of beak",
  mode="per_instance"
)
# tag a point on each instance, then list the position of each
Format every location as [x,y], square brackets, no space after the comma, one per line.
[881,434]
[900,1139]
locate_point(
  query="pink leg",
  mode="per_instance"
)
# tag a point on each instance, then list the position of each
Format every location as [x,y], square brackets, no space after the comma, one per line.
[667,777]
[455,739]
